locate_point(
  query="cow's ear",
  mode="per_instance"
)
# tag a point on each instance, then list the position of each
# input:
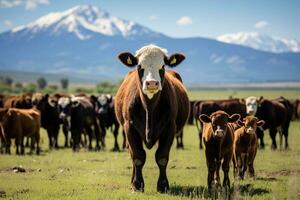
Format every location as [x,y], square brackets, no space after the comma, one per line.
[174,60]
[128,59]
[234,118]
[240,123]
[260,123]
[242,101]
[75,103]
[93,98]
[204,118]
[260,99]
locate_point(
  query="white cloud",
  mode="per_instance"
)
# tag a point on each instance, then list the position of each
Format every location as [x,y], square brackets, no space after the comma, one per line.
[9,3]
[153,17]
[32,4]
[29,4]
[261,24]
[183,21]
[7,23]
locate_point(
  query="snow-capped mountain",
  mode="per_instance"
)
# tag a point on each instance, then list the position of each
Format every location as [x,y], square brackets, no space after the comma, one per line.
[261,42]
[84,21]
[84,41]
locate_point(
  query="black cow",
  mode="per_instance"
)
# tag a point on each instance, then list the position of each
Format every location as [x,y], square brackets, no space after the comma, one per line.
[277,115]
[83,120]
[107,118]
[48,106]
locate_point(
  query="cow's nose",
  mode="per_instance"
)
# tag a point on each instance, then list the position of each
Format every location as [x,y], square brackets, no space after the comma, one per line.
[251,112]
[152,85]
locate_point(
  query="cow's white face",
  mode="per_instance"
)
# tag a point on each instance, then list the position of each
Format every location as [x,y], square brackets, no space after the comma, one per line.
[151,64]
[150,61]
[64,102]
[251,105]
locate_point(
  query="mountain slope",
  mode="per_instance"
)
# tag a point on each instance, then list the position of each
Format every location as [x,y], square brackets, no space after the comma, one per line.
[84,42]
[261,42]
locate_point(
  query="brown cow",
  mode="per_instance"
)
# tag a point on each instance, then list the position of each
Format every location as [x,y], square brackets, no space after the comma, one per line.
[245,146]
[152,106]
[218,139]
[230,106]
[22,101]
[18,123]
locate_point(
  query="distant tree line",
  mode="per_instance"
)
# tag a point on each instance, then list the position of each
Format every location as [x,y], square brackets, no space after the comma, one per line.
[7,85]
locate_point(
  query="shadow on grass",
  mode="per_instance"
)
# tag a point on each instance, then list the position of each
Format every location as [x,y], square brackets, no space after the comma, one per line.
[199,192]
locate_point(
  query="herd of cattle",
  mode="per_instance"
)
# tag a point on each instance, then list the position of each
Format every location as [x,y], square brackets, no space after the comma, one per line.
[152,107]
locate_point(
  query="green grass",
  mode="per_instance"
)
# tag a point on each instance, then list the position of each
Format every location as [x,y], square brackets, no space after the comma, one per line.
[62,174]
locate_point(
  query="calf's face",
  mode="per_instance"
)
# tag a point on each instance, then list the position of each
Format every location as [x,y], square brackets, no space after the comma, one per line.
[150,61]
[218,121]
[251,123]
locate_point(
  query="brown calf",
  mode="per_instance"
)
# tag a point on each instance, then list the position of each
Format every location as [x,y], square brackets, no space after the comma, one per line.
[218,139]
[152,106]
[245,146]
[18,123]
[230,106]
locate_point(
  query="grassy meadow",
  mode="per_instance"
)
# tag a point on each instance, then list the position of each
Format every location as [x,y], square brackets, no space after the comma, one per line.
[62,174]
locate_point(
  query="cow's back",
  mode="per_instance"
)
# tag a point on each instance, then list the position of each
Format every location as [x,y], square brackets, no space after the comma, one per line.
[28,119]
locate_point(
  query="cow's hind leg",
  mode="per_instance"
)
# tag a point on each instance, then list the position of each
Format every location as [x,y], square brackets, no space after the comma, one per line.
[116,132]
[138,156]
[179,140]
[273,132]
[260,135]
[285,132]
[200,138]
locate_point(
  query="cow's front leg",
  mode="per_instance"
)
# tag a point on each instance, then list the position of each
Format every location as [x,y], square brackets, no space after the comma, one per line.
[225,167]
[138,156]
[162,157]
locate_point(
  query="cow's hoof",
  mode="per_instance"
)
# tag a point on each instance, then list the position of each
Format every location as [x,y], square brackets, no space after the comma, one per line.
[137,186]
[115,149]
[163,185]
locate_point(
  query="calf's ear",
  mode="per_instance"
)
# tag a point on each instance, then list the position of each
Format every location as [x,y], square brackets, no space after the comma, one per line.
[128,59]
[260,123]
[204,118]
[174,60]
[234,118]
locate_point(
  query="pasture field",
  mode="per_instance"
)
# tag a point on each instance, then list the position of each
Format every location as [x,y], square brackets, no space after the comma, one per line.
[62,174]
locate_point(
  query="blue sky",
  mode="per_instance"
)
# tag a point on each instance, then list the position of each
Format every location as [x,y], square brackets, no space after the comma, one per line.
[206,18]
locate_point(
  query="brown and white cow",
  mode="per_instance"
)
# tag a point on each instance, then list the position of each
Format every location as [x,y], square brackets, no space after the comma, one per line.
[245,146]
[152,106]
[218,139]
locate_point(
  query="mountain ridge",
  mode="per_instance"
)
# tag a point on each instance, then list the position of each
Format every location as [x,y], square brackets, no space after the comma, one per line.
[69,44]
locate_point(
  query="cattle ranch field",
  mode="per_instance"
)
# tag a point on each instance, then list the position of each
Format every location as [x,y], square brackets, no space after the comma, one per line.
[62,174]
